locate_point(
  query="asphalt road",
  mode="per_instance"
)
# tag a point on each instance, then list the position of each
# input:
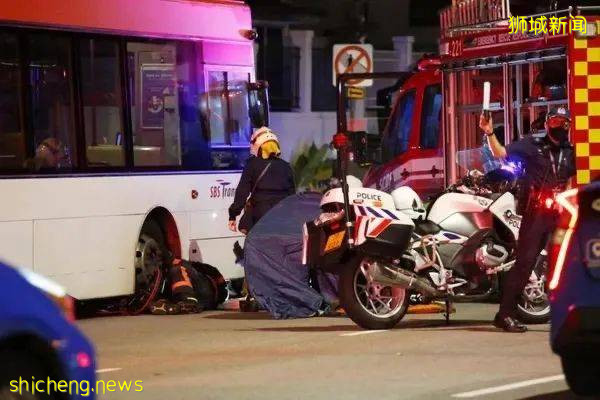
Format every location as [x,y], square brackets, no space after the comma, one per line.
[232,355]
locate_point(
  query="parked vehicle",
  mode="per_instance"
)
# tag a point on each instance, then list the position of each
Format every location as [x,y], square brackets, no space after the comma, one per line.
[126,140]
[455,250]
[36,337]
[575,288]
[433,112]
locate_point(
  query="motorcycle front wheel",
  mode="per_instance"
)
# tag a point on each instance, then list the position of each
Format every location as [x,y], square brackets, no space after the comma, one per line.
[369,304]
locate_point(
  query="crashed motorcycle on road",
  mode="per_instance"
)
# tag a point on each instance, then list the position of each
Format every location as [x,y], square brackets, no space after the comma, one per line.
[391,247]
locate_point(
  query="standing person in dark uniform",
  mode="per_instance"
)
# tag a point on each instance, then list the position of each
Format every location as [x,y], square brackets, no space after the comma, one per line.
[549,164]
[265,181]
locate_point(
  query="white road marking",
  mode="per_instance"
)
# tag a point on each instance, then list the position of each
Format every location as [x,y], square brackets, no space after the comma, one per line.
[364,332]
[99,371]
[510,386]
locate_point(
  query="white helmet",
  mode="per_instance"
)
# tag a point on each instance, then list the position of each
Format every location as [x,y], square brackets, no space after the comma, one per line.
[353,181]
[408,202]
[259,137]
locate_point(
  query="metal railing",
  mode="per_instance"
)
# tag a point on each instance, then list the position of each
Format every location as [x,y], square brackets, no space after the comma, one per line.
[472,13]
[475,15]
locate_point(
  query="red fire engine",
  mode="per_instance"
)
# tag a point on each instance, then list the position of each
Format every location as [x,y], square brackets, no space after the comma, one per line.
[436,111]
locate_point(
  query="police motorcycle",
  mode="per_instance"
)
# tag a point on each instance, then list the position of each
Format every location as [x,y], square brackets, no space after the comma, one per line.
[391,248]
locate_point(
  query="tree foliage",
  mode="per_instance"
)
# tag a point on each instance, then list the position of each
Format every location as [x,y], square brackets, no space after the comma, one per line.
[312,168]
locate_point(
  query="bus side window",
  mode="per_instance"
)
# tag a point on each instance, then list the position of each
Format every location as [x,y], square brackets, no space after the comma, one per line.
[51,102]
[430,117]
[397,136]
[101,99]
[12,136]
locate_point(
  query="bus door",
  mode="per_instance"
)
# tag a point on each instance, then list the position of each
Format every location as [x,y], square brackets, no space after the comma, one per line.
[155,107]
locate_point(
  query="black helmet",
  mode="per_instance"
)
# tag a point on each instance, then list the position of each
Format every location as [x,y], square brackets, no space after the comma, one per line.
[562,112]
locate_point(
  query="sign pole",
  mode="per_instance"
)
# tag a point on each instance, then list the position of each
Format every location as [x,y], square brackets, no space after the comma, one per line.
[341,143]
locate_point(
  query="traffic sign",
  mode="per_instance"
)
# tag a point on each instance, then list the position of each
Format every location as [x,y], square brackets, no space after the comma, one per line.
[353,58]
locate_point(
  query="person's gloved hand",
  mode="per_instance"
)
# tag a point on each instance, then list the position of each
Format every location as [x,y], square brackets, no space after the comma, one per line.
[232,226]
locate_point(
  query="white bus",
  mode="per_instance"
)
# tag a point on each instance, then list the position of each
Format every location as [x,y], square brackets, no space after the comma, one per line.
[124,126]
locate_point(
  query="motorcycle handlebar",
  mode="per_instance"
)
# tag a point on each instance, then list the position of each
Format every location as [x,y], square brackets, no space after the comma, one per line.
[478,184]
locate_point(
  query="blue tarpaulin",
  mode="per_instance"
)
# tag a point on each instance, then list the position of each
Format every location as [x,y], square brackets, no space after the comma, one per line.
[273,261]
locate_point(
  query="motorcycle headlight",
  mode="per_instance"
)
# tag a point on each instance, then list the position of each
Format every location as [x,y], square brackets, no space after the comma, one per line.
[52,289]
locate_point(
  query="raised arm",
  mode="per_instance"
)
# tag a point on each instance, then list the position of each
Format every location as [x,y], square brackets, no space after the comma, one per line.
[487,126]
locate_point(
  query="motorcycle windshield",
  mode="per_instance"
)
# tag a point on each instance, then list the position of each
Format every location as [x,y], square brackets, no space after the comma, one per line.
[471,159]
[482,159]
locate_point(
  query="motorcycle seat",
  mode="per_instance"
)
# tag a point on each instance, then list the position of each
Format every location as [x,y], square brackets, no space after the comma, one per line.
[427,228]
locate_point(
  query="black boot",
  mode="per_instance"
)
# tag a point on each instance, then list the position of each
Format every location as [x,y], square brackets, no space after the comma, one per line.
[238,251]
[509,324]
[249,304]
[190,305]
[165,307]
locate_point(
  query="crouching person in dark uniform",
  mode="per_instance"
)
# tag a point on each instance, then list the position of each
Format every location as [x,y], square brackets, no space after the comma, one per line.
[194,287]
[549,164]
[265,181]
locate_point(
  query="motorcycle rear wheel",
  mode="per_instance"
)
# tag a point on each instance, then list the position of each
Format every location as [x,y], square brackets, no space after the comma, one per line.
[370,305]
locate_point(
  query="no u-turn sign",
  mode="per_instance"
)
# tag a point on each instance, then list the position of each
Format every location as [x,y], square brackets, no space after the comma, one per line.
[353,58]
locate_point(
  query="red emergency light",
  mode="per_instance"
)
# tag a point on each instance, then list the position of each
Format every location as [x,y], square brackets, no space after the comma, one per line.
[428,62]
[340,141]
[563,234]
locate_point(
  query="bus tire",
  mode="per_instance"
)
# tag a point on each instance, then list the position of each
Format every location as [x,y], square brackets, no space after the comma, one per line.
[150,256]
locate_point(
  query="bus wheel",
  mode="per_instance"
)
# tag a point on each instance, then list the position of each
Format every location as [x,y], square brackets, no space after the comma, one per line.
[149,261]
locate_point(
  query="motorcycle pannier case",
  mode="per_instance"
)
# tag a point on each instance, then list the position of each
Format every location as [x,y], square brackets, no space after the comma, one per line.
[325,244]
[383,237]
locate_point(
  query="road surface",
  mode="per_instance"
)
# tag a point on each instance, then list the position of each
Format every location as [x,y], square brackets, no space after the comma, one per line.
[232,355]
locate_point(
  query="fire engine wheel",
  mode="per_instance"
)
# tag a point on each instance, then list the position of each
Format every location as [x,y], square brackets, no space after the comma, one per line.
[370,305]
[149,263]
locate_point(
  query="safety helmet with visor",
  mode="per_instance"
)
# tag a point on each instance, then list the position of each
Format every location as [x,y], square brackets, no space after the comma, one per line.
[407,201]
[260,137]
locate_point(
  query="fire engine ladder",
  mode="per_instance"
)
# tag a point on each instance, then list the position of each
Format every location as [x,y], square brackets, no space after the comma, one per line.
[469,16]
